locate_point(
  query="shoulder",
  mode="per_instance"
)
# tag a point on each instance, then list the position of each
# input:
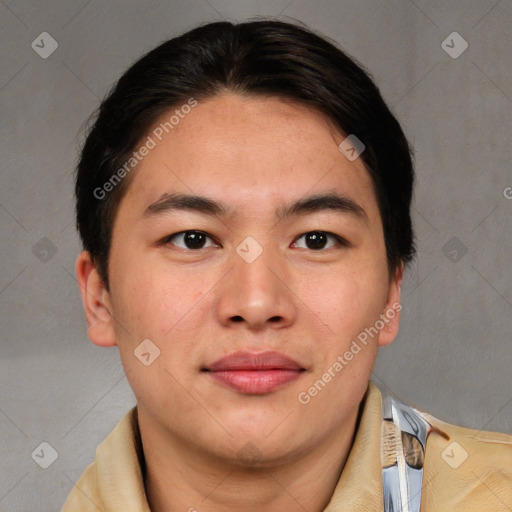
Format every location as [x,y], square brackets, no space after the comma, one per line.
[84,497]
[114,476]
[467,470]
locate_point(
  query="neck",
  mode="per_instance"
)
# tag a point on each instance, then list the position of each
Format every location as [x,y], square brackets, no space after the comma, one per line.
[179,477]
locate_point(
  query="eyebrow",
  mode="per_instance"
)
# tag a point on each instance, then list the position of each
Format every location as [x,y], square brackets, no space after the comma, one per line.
[322,202]
[311,204]
[172,202]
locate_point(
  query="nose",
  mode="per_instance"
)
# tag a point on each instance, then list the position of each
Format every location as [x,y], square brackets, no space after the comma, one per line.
[256,294]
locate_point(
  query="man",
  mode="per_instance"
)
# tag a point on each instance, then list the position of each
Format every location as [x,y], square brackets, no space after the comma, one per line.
[243,199]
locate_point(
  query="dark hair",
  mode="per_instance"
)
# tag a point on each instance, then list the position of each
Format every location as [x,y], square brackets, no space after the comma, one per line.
[264,57]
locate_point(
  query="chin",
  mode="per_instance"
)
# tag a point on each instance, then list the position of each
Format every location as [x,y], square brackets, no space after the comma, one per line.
[254,455]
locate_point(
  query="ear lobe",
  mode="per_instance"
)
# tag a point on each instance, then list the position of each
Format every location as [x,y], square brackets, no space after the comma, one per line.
[96,301]
[391,313]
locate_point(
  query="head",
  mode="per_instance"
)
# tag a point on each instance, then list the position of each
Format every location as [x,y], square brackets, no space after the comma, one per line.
[220,211]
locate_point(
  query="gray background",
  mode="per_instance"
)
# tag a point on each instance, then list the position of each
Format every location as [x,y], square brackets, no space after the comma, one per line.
[452,357]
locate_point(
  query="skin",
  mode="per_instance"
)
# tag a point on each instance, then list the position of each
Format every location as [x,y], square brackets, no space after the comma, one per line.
[254,154]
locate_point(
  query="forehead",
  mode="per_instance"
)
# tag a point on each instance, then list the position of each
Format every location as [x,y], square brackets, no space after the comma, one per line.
[252,150]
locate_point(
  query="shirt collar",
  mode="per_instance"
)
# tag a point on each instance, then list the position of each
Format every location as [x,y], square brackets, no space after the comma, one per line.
[360,483]
[120,465]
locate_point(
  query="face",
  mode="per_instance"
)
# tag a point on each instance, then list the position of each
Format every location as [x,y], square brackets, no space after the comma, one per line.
[256,291]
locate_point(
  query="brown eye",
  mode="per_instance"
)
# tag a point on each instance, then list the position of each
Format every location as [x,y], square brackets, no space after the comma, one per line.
[189,240]
[317,240]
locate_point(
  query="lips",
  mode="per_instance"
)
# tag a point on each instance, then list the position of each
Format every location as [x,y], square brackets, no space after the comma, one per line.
[255,374]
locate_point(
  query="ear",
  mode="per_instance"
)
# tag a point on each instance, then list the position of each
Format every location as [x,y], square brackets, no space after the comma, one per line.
[391,313]
[96,301]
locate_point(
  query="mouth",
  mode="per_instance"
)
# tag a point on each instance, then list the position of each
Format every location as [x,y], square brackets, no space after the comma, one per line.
[254,374]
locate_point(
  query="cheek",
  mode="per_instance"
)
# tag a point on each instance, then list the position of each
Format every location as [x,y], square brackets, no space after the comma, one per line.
[163,309]
[155,302]
[171,309]
[346,301]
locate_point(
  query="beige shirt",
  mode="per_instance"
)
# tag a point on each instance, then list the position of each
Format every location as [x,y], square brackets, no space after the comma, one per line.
[465,470]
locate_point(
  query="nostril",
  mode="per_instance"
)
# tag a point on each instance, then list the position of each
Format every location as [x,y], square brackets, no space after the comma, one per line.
[237,318]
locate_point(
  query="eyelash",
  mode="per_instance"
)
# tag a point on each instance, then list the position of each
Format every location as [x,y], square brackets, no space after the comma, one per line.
[340,241]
